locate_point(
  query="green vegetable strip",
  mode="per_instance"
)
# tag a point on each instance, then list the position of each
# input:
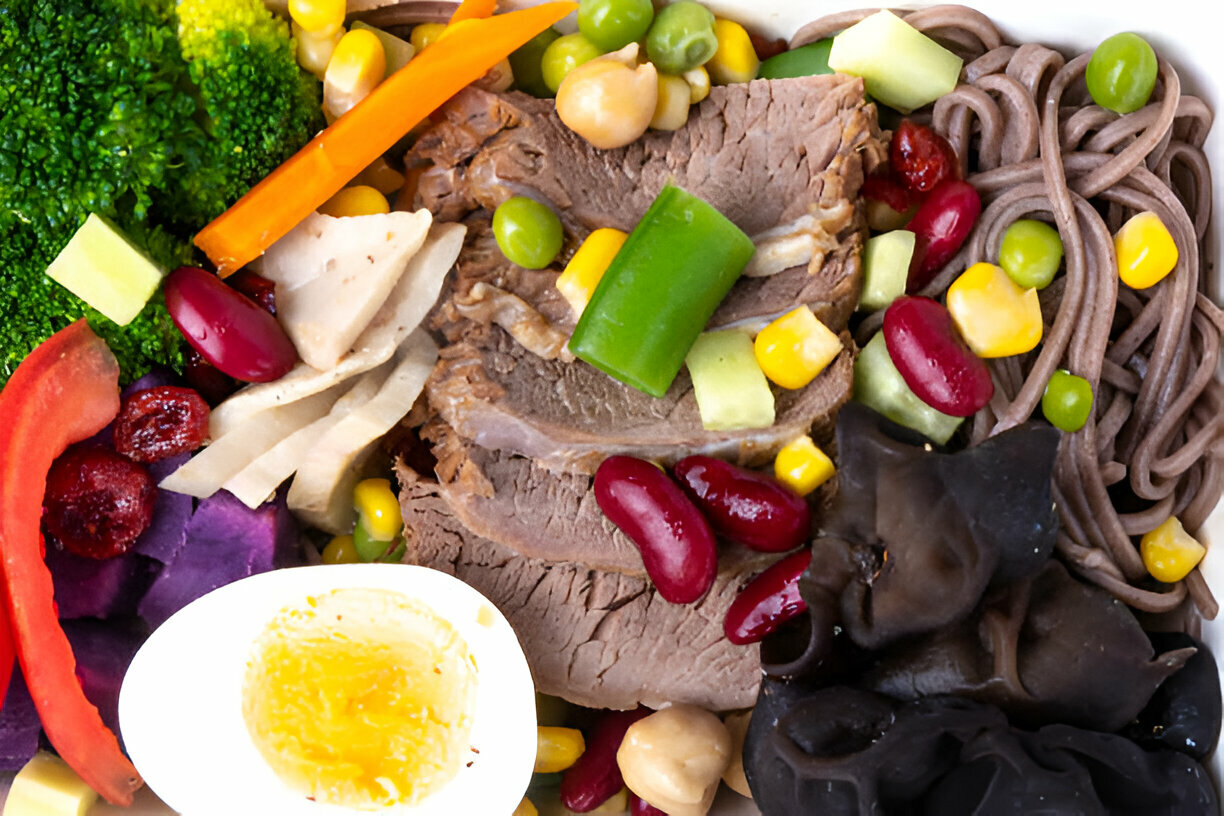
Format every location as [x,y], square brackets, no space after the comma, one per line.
[660,291]
[806,60]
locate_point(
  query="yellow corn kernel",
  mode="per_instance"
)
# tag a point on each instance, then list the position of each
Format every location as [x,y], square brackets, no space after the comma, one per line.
[618,803]
[1146,251]
[802,466]
[583,272]
[46,786]
[672,109]
[736,59]
[995,317]
[356,200]
[525,808]
[378,508]
[314,51]
[318,17]
[698,81]
[340,550]
[381,176]
[796,347]
[1169,552]
[357,65]
[557,748]
[425,34]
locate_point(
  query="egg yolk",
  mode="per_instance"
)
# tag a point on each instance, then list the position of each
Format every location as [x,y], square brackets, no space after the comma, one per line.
[361,698]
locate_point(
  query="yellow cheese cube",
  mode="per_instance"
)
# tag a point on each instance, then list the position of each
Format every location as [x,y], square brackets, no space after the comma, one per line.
[106,270]
[46,786]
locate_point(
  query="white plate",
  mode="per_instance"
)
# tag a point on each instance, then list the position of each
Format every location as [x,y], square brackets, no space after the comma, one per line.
[1179,30]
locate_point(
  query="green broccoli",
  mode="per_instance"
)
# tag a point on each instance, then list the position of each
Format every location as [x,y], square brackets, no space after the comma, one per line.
[113,107]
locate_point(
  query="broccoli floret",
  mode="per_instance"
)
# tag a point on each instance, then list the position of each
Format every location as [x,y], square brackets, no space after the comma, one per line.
[259,106]
[154,116]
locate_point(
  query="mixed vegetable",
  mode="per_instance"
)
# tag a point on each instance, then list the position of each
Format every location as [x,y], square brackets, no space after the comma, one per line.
[210,113]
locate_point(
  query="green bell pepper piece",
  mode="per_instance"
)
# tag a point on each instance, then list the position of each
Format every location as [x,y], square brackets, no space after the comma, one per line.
[806,60]
[660,291]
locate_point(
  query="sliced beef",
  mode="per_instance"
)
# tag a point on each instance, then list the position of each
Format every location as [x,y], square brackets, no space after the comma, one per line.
[596,638]
[569,416]
[543,514]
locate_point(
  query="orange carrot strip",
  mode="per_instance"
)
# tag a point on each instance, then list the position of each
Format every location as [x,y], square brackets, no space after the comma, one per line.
[474,10]
[334,157]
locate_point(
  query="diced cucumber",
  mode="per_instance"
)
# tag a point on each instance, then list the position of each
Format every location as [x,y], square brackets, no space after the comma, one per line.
[732,392]
[900,66]
[106,270]
[806,60]
[879,385]
[886,261]
[46,786]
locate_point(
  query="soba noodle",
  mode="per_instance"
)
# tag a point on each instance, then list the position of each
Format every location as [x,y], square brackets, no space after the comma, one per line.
[1034,145]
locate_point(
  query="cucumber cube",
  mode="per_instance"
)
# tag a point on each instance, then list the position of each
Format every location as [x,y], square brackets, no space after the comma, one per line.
[879,385]
[900,66]
[732,392]
[886,261]
[106,270]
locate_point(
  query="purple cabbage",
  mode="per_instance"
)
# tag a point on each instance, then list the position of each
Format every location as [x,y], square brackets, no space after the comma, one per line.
[92,588]
[103,651]
[171,512]
[19,725]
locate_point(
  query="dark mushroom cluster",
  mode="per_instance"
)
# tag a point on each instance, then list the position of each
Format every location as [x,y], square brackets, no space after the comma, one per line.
[947,665]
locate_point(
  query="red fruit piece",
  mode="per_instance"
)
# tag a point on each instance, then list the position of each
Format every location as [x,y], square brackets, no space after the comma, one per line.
[161,422]
[942,223]
[228,329]
[595,777]
[97,502]
[886,191]
[256,287]
[933,359]
[640,807]
[676,542]
[920,158]
[747,507]
[768,601]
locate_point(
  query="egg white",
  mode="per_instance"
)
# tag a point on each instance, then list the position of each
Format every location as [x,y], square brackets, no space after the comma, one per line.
[180,706]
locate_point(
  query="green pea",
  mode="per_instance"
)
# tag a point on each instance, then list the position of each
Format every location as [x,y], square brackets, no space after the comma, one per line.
[1122,73]
[1067,402]
[527,63]
[1031,253]
[368,548]
[613,24]
[564,55]
[527,232]
[682,37]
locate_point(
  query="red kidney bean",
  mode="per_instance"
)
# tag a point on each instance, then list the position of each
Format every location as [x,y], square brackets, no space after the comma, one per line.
[920,158]
[97,503]
[640,807]
[747,507]
[161,422]
[933,359]
[595,777]
[256,287]
[676,542]
[768,601]
[942,223]
[229,330]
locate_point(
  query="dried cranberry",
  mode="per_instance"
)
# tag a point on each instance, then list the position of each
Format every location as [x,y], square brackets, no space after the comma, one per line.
[97,502]
[161,422]
[256,287]
[766,47]
[921,158]
[213,385]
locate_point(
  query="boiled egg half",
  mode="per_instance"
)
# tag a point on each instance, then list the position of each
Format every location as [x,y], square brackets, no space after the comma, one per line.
[352,688]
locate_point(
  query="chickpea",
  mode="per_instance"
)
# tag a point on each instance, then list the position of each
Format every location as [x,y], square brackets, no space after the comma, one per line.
[610,100]
[737,725]
[674,759]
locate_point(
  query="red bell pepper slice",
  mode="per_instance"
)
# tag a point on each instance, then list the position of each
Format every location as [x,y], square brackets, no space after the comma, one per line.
[8,650]
[65,391]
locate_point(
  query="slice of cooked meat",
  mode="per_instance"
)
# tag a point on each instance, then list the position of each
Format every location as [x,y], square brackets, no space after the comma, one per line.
[542,514]
[569,416]
[595,638]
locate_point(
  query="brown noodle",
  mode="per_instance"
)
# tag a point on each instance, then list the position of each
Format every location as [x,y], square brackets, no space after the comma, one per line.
[1034,146]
